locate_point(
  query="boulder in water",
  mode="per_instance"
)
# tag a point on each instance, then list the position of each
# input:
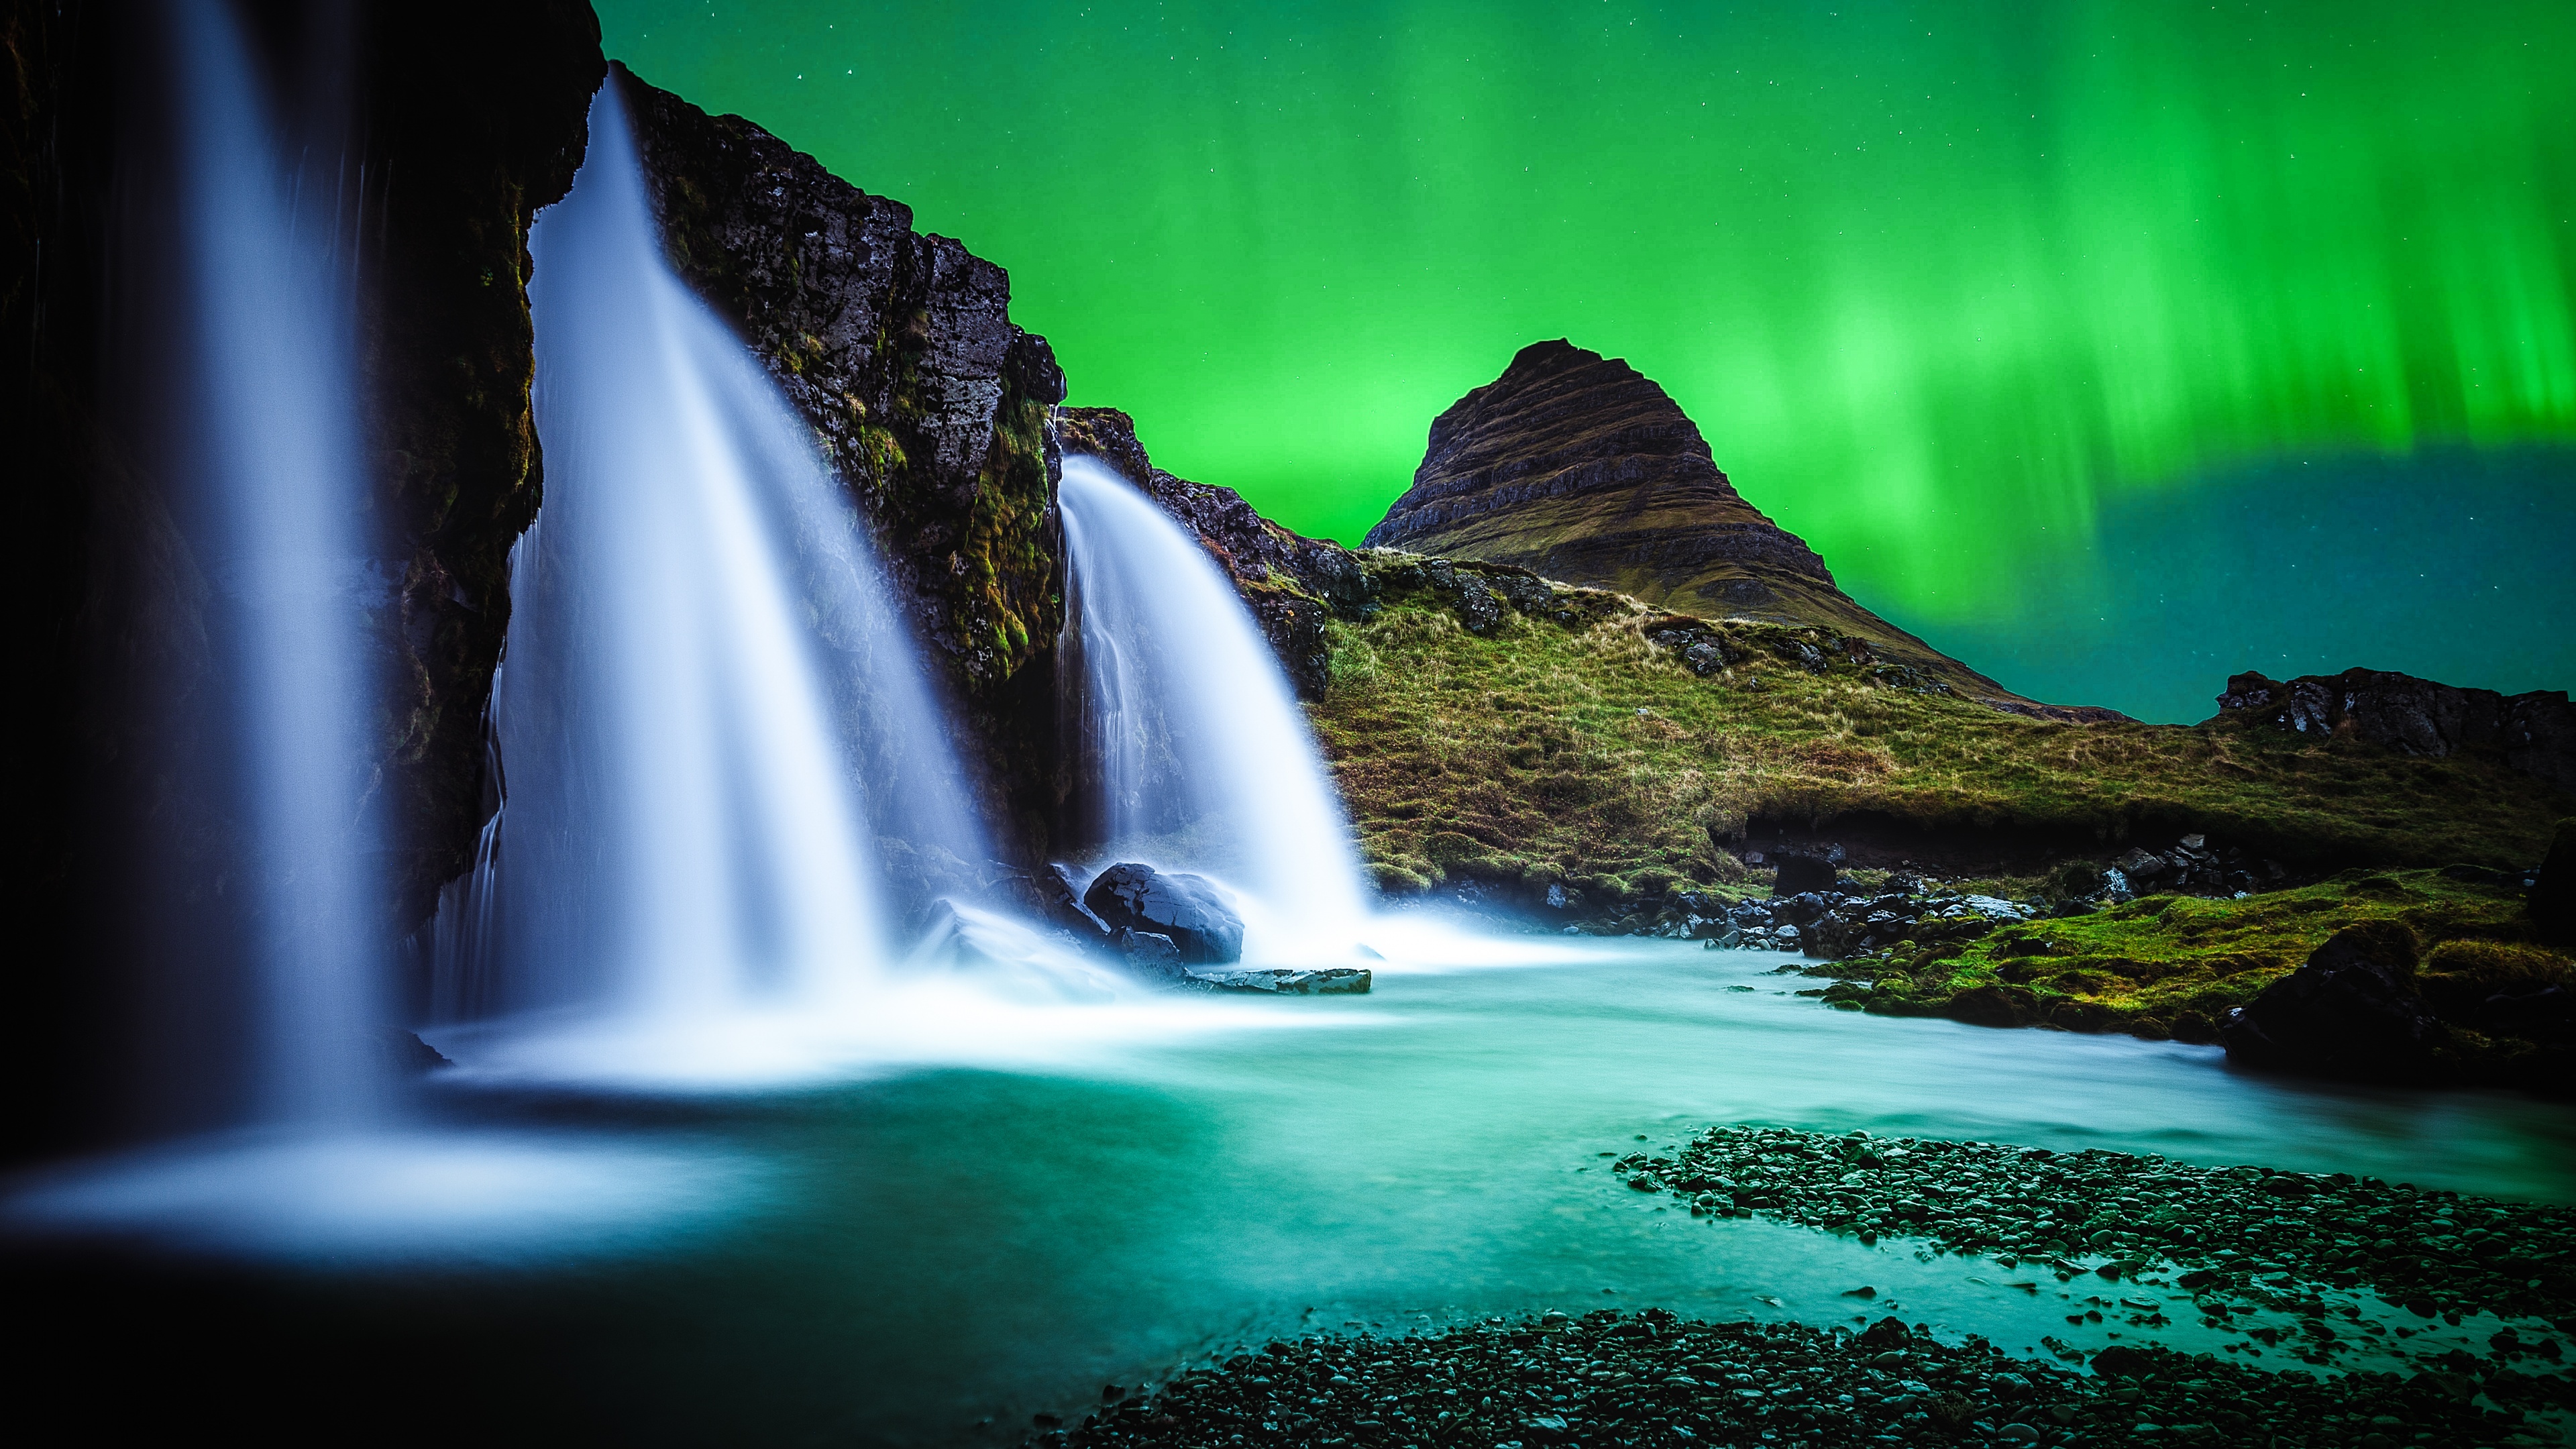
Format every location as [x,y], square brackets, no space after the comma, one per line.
[1151,954]
[1188,909]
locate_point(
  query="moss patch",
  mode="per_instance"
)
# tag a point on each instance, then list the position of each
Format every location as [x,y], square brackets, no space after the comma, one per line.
[2173,966]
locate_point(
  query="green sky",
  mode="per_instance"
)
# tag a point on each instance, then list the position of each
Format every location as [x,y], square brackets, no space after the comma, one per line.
[1957,292]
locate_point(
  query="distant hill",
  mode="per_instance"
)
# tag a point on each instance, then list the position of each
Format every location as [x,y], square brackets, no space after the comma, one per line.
[1577,467]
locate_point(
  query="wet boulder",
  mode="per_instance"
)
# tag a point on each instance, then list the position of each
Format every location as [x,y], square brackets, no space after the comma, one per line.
[1152,955]
[2352,1011]
[1800,910]
[1187,909]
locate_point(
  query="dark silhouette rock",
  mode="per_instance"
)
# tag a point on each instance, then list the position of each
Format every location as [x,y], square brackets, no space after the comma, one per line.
[2352,1011]
[1187,909]
[401,1053]
[1801,873]
[2552,902]
[1575,466]
[2534,733]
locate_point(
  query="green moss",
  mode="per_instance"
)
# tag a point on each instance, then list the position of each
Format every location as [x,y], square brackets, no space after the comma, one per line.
[1588,746]
[2174,966]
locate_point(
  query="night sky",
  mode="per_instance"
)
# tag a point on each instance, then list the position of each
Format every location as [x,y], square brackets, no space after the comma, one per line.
[2113,347]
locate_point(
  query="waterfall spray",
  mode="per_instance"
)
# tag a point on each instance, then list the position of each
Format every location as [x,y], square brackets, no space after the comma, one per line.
[273,459]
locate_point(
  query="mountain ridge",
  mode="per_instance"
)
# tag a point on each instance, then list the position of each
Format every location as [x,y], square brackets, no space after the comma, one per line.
[1580,468]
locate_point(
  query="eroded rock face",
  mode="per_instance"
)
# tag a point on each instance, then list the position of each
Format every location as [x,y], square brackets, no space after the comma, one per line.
[1576,466]
[1187,910]
[931,406]
[2534,732]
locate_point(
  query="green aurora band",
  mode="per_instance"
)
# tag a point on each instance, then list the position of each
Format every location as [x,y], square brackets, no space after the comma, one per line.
[1950,289]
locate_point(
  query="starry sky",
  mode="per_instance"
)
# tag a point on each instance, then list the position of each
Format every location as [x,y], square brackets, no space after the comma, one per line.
[2112,346]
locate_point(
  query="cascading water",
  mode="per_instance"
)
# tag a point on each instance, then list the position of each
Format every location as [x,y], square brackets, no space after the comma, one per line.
[1201,758]
[710,719]
[271,460]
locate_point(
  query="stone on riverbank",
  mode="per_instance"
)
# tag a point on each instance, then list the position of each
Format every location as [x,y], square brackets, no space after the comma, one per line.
[2351,1011]
[1327,981]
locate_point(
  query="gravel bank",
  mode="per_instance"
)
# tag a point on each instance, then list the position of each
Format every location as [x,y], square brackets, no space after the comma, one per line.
[1653,1379]
[2247,1233]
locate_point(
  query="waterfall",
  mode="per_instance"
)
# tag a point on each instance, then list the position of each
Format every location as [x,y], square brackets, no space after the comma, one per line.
[268,463]
[726,778]
[1200,757]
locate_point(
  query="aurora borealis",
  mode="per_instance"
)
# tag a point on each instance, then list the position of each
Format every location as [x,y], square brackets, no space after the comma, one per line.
[2017,312]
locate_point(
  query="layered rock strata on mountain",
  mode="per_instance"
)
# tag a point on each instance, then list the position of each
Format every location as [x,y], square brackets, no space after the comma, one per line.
[1579,468]
[1292,584]
[898,348]
[2534,733]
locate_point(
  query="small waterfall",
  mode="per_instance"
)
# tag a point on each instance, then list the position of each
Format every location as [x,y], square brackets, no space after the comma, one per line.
[1201,758]
[714,733]
[269,459]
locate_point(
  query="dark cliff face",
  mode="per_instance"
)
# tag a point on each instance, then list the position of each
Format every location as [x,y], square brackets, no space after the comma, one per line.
[899,349]
[476,118]
[1291,583]
[1578,468]
[2534,733]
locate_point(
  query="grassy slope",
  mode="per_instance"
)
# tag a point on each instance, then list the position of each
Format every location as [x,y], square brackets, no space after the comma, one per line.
[1586,751]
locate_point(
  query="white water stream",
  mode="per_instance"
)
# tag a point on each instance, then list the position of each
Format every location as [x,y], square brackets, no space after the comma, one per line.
[710,718]
[1202,757]
[272,463]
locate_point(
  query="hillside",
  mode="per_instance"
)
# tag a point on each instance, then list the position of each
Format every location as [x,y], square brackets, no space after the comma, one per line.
[1621,750]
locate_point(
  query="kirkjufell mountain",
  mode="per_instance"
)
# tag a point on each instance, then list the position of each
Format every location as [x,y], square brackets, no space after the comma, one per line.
[1580,468]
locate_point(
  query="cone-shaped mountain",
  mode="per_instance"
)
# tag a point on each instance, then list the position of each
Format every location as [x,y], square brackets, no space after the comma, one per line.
[1579,468]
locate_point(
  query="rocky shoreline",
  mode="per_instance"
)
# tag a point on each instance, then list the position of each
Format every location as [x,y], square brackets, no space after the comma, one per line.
[2244,1234]
[2242,1240]
[1654,1379]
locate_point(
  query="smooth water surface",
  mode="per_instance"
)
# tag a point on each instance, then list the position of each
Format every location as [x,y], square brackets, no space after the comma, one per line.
[910,1257]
